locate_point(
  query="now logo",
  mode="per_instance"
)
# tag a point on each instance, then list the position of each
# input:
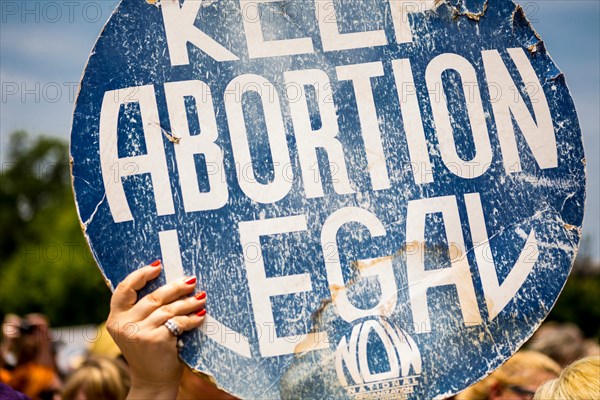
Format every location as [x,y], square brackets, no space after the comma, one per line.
[377,336]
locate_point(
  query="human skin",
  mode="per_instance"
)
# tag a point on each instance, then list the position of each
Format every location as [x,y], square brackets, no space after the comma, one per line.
[138,329]
[534,379]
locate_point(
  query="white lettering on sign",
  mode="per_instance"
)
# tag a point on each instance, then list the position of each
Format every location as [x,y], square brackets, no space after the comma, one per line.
[334,40]
[257,45]
[312,126]
[262,288]
[380,268]
[153,162]
[180,30]
[323,136]
[419,279]
[483,149]
[458,274]
[539,134]
[212,328]
[497,296]
[412,121]
[203,143]
[402,353]
[308,139]
[361,75]
[281,184]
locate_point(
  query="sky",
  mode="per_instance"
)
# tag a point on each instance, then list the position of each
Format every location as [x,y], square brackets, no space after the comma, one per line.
[44,46]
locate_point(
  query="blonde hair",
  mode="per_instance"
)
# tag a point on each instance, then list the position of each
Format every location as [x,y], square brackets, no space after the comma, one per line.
[516,371]
[580,380]
[98,378]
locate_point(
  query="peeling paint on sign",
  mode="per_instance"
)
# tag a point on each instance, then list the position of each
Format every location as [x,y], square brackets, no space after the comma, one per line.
[382,198]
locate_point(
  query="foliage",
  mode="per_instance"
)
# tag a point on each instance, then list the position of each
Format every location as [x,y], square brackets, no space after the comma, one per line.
[578,302]
[45,265]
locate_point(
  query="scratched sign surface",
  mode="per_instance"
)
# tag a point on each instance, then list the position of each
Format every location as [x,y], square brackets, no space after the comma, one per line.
[383,199]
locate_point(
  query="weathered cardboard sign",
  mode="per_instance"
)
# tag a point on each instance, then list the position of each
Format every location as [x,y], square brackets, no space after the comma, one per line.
[383,199]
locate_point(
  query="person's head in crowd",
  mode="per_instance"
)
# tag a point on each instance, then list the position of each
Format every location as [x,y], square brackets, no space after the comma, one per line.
[34,372]
[8,346]
[26,340]
[38,382]
[34,341]
[97,378]
[517,379]
[564,343]
[580,380]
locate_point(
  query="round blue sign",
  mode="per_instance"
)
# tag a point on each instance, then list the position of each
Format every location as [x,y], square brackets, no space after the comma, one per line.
[383,199]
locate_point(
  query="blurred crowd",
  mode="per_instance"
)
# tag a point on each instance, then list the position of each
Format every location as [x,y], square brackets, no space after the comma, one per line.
[30,364]
[558,362]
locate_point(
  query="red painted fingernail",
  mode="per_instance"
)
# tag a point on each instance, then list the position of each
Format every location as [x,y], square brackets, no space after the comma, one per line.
[200,296]
[201,313]
[155,263]
[190,281]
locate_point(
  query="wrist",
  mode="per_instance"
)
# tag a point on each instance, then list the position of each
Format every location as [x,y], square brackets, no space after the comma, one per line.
[142,389]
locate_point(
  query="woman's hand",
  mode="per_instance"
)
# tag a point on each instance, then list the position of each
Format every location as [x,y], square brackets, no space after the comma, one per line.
[138,329]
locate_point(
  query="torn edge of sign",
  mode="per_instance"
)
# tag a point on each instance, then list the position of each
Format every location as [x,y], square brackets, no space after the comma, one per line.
[534,43]
[462,10]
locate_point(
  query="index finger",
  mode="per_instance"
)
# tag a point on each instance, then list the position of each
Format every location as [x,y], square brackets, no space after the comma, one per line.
[125,294]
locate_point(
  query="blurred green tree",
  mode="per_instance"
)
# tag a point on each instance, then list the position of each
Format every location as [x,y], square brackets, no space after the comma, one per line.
[578,303]
[46,265]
